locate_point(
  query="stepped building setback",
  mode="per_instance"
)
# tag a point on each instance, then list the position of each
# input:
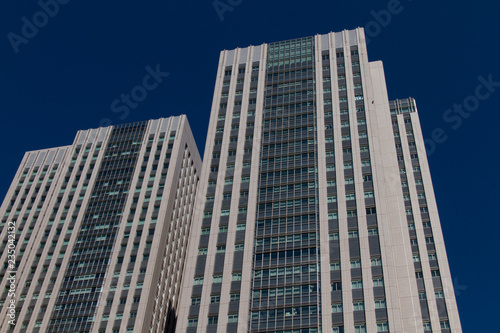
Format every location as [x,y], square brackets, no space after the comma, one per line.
[313,211]
[102,230]
[316,211]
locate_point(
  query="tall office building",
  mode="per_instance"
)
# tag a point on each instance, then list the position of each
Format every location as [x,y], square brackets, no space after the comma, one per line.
[315,211]
[101,230]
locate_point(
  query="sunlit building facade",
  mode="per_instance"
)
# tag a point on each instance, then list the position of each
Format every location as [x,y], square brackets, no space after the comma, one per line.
[315,211]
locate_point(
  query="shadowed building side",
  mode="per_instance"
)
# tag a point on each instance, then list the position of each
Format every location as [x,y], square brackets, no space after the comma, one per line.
[103,229]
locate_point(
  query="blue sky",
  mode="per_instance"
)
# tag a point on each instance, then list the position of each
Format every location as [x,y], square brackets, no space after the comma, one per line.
[65,74]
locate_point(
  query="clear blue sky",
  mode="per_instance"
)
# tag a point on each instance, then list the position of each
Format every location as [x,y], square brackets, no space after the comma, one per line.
[66,74]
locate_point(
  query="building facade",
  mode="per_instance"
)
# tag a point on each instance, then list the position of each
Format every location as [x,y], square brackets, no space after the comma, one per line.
[101,230]
[315,211]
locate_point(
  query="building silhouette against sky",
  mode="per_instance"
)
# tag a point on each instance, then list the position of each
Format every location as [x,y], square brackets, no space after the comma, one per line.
[102,228]
[315,211]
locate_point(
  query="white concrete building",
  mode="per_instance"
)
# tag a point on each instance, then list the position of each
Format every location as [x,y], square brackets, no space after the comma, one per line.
[101,230]
[315,211]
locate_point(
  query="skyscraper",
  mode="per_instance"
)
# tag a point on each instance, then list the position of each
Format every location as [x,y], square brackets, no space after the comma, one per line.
[315,211]
[101,230]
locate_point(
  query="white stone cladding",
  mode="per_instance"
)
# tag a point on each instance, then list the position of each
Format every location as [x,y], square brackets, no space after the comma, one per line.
[49,208]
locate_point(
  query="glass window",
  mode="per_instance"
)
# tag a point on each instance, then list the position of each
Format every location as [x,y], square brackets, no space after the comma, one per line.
[334,266]
[349,180]
[358,284]
[333,216]
[360,328]
[355,263]
[334,236]
[445,324]
[336,307]
[378,282]
[358,306]
[336,286]
[382,327]
[232,318]
[193,322]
